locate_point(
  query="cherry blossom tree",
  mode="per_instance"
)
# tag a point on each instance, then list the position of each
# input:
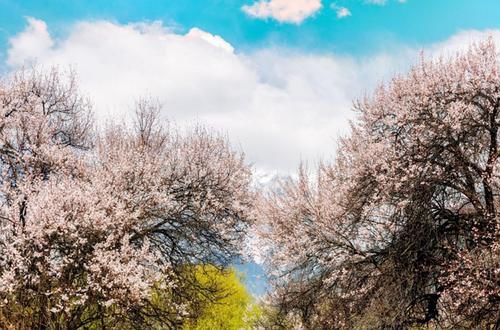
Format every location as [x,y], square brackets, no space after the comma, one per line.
[93,221]
[403,228]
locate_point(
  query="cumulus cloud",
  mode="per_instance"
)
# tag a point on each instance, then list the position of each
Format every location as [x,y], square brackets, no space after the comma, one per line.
[216,41]
[287,11]
[34,41]
[279,106]
[117,64]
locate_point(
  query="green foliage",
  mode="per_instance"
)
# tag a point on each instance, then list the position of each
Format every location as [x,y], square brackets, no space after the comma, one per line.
[231,306]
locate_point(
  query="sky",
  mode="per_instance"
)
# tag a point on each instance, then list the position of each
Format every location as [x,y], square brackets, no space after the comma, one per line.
[278,77]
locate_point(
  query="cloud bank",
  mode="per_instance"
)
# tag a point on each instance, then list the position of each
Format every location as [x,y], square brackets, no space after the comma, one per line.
[279,106]
[286,11]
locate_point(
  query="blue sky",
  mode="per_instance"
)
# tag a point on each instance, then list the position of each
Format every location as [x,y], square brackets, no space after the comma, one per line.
[369,27]
[278,77]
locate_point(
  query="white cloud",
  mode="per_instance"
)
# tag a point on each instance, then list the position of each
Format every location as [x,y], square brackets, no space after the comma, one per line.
[35,40]
[341,12]
[289,11]
[216,41]
[377,2]
[279,106]
[460,42]
[381,2]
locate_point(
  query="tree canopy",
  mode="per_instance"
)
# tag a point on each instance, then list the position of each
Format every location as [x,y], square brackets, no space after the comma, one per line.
[135,225]
[402,229]
[91,220]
